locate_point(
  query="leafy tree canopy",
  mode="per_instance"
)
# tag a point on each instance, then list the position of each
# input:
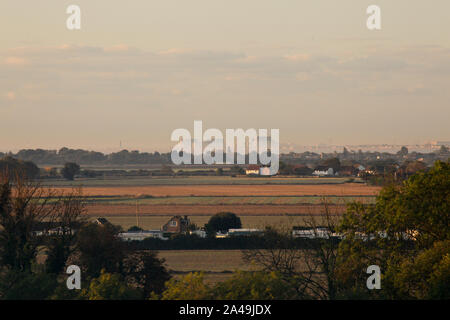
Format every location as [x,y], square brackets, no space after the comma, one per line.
[223,221]
[70,170]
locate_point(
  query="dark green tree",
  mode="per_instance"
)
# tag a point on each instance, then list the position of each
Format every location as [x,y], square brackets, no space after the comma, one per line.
[190,287]
[404,224]
[425,276]
[98,247]
[332,163]
[70,170]
[223,221]
[258,285]
[403,151]
[13,168]
[16,285]
[443,150]
[110,286]
[143,270]
[135,229]
[60,243]
[23,207]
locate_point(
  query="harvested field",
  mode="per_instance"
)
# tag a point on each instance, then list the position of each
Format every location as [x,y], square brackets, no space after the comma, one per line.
[347,189]
[256,205]
[208,210]
[204,260]
[193,180]
[221,200]
[217,265]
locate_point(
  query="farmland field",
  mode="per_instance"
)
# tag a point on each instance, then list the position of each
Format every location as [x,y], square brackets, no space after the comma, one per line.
[257,201]
[218,200]
[202,200]
[347,189]
[216,265]
[208,210]
[193,180]
[257,205]
[204,260]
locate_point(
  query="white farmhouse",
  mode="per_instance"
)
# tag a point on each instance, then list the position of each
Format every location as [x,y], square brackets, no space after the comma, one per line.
[199,233]
[264,171]
[323,172]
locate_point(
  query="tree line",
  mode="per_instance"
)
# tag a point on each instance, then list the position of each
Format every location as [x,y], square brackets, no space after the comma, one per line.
[63,155]
[305,159]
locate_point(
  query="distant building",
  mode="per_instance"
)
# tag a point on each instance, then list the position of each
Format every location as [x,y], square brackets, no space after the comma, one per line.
[239,232]
[244,232]
[177,224]
[367,172]
[141,235]
[199,233]
[323,171]
[57,231]
[252,170]
[314,233]
[264,171]
[321,233]
[102,221]
[221,235]
[257,170]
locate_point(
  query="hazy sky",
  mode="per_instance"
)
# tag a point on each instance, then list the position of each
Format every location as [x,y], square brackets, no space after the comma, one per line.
[137,70]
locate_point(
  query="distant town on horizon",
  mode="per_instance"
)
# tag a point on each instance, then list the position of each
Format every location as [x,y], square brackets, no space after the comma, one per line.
[428,147]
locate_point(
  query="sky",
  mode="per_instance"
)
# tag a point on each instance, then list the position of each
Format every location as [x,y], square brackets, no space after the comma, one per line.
[137,70]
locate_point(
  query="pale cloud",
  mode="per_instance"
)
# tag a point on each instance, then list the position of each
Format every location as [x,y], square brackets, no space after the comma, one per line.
[298,57]
[11,95]
[248,59]
[176,92]
[174,51]
[124,67]
[374,62]
[302,76]
[231,78]
[118,47]
[16,61]
[148,93]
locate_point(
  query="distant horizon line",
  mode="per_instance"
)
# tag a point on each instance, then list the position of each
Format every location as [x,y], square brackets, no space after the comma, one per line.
[284,148]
